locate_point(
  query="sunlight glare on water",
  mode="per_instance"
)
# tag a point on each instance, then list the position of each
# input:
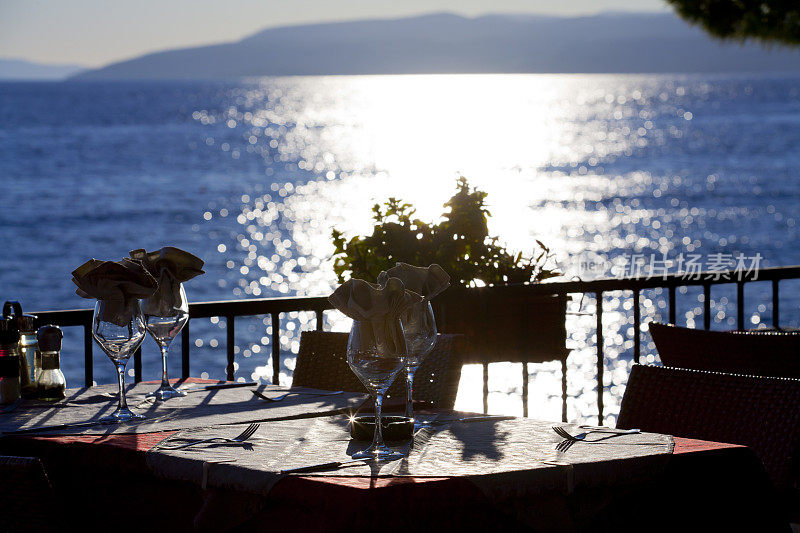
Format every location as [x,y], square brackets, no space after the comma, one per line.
[410,137]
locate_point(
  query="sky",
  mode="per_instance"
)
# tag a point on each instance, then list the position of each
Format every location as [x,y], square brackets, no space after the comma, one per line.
[98,32]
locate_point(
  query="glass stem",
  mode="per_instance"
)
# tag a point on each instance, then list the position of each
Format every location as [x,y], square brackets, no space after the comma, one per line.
[164,378]
[123,404]
[410,394]
[377,439]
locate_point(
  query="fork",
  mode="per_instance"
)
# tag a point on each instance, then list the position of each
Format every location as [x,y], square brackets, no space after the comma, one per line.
[240,438]
[569,439]
[560,431]
[283,396]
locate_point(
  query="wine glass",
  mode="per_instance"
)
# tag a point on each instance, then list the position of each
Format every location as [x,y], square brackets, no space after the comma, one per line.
[118,342]
[419,329]
[376,352]
[164,320]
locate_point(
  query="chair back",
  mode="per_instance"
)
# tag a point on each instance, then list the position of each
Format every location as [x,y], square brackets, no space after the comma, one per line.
[762,413]
[322,364]
[772,353]
[26,495]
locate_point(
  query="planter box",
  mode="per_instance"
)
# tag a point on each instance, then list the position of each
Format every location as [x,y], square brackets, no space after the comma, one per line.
[505,323]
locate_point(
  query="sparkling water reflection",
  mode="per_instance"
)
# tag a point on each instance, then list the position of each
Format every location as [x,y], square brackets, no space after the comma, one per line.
[594,166]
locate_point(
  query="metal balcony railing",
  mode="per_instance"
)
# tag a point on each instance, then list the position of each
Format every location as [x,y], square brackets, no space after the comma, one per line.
[275,306]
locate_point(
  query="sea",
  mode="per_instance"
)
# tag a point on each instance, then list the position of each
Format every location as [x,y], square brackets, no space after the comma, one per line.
[616,174]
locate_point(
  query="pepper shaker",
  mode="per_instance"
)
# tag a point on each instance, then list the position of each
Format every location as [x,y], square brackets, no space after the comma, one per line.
[50,384]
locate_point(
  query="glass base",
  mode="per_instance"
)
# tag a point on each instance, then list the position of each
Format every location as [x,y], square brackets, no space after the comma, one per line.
[120,415]
[165,392]
[378,452]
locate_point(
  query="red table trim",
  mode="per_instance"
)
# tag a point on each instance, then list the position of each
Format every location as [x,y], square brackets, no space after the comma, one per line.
[683,445]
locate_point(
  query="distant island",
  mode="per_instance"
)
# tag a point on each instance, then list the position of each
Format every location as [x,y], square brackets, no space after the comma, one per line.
[19,69]
[447,44]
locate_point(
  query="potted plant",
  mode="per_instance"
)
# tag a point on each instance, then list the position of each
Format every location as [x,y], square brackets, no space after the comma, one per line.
[487,301]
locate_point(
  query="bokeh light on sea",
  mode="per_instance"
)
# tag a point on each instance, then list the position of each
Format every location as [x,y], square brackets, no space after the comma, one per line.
[252,176]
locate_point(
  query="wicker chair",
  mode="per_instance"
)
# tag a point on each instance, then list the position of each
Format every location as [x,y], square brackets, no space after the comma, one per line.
[762,413]
[760,353]
[28,500]
[322,364]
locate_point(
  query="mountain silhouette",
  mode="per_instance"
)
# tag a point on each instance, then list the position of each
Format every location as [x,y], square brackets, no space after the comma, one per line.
[447,43]
[19,69]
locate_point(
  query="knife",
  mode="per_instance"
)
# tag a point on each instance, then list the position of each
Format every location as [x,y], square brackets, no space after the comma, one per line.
[323,466]
[218,386]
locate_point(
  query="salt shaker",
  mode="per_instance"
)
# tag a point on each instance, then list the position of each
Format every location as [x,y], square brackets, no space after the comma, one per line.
[27,347]
[9,361]
[50,383]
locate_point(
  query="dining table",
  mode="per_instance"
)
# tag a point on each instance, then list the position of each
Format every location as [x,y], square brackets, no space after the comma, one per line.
[460,471]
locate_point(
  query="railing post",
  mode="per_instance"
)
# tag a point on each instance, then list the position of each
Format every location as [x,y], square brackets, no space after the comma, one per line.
[276,348]
[672,304]
[88,363]
[740,305]
[600,357]
[230,330]
[564,389]
[485,388]
[706,306]
[776,305]
[320,319]
[525,389]
[185,343]
[137,365]
[637,333]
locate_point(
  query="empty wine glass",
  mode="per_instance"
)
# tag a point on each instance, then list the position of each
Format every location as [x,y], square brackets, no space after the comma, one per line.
[118,342]
[419,329]
[164,320]
[376,352]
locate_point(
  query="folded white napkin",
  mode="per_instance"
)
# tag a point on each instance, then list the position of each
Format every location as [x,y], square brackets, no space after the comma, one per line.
[170,266]
[378,308]
[427,281]
[361,300]
[119,284]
